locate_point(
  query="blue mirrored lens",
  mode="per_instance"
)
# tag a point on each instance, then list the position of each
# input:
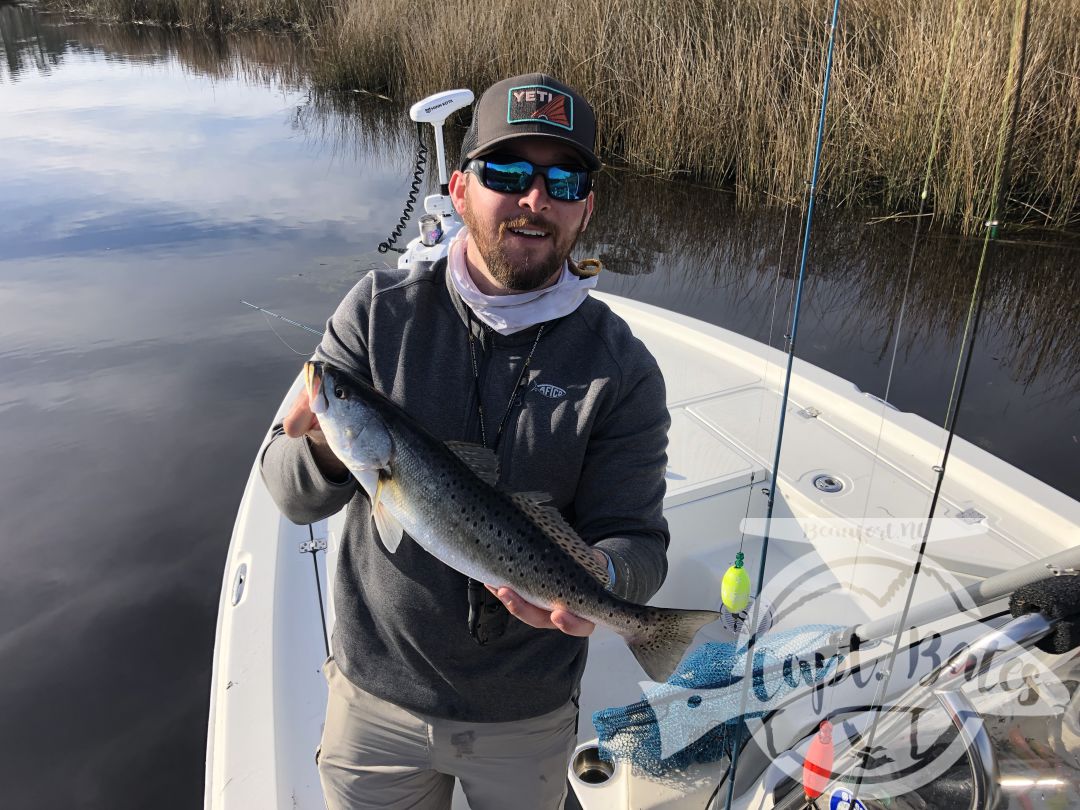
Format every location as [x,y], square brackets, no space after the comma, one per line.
[505,177]
[568,185]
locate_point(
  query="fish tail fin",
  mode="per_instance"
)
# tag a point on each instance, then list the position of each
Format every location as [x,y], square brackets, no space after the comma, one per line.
[663,643]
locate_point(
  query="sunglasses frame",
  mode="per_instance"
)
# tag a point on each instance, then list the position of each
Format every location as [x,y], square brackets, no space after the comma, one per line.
[478,166]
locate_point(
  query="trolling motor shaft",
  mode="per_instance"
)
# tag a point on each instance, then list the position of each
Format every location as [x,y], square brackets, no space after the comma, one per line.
[435,110]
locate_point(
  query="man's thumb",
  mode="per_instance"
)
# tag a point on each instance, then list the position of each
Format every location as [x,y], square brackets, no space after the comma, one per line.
[299,420]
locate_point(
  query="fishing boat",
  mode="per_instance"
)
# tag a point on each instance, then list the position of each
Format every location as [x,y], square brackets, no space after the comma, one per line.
[918,652]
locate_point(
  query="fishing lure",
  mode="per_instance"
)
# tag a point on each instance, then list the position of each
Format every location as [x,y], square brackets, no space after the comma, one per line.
[735,587]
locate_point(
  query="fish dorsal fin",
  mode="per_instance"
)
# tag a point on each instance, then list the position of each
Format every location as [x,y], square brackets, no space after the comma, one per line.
[536,497]
[555,526]
[478,459]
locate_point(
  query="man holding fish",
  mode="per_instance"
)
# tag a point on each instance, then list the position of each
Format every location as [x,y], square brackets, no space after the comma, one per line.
[499,440]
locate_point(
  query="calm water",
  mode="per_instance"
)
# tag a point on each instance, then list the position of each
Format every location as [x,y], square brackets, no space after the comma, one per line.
[152,181]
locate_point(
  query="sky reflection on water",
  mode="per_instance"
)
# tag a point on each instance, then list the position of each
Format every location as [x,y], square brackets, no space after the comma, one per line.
[144,201]
[153,181]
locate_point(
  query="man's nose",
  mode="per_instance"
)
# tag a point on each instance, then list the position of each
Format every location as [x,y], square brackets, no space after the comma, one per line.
[535,197]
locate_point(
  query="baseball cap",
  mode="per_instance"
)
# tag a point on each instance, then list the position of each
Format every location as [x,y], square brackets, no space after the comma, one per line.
[531,105]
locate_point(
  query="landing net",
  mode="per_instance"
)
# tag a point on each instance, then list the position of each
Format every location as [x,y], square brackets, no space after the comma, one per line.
[694,717]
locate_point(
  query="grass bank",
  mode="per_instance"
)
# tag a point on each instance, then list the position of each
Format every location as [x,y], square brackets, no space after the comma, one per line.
[726,92]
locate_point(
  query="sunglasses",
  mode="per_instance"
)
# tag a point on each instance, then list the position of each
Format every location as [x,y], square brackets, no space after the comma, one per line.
[509,176]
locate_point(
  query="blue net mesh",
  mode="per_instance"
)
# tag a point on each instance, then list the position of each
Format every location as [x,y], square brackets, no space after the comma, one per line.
[695,716]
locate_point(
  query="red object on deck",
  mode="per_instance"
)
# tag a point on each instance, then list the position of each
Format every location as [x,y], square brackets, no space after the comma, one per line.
[817,768]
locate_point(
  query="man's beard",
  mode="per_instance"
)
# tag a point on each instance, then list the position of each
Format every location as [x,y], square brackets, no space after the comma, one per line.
[514,275]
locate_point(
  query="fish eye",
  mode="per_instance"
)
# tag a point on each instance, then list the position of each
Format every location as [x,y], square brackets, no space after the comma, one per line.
[340,391]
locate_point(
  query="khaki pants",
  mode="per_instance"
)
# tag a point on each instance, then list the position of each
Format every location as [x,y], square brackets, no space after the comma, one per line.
[377,755]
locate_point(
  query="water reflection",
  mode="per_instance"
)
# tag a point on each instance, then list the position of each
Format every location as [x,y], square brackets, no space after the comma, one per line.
[36,43]
[703,245]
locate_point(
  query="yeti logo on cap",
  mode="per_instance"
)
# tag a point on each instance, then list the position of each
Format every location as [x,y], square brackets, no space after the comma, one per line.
[536,102]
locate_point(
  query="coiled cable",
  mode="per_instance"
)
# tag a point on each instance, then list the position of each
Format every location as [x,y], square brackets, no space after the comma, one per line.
[414,192]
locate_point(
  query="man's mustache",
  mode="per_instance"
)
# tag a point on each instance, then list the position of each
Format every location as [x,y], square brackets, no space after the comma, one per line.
[534,222]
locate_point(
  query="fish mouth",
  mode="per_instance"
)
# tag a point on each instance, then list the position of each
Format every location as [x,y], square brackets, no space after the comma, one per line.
[313,382]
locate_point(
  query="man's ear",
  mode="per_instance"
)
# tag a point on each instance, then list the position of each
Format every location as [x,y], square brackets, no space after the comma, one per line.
[458,181]
[588,210]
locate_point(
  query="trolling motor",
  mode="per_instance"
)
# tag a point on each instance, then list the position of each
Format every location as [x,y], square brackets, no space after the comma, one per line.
[440,222]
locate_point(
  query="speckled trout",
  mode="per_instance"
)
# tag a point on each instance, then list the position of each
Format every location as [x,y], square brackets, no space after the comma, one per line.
[445,496]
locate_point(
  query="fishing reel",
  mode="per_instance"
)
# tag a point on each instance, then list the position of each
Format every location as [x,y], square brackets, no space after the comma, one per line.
[440,221]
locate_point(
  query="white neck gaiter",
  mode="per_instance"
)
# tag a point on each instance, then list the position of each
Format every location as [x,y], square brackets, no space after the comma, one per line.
[507,314]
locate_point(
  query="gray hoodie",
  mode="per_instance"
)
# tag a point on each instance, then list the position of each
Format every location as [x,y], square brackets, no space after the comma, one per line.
[590,430]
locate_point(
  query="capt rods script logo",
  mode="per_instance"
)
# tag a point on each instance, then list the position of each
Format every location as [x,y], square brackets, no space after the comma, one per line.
[888,728]
[535,102]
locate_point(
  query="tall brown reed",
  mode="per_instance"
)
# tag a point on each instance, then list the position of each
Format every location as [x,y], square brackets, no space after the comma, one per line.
[727,91]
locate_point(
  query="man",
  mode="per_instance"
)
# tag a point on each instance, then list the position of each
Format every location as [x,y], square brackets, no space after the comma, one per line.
[431,679]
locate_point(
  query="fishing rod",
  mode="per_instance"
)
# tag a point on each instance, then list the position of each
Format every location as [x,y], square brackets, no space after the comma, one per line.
[818,758]
[1017,64]
[303,326]
[812,196]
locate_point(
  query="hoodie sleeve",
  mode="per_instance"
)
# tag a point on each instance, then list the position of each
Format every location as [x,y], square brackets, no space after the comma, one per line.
[619,500]
[297,485]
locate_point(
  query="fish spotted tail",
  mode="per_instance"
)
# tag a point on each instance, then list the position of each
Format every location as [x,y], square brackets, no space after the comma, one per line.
[662,644]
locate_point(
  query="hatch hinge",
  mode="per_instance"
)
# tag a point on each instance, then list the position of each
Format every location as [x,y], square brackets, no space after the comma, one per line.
[972,516]
[313,545]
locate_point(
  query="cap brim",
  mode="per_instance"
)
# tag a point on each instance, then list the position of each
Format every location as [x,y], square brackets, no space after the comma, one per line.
[592,162]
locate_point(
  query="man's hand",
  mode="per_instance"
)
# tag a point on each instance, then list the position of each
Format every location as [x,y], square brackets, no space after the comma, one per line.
[301,421]
[539,618]
[542,619]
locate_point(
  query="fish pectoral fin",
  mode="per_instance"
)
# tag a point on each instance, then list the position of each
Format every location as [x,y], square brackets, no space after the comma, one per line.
[478,459]
[390,531]
[386,524]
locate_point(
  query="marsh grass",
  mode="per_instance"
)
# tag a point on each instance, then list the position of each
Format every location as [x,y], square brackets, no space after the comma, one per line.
[726,92]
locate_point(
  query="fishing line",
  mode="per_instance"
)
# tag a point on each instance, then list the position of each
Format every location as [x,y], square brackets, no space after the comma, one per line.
[897,329]
[924,195]
[784,398]
[768,362]
[1005,141]
[267,313]
[1007,132]
[284,342]
[765,371]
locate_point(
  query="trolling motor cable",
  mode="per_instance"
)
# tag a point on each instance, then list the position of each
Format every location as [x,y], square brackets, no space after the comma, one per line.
[414,192]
